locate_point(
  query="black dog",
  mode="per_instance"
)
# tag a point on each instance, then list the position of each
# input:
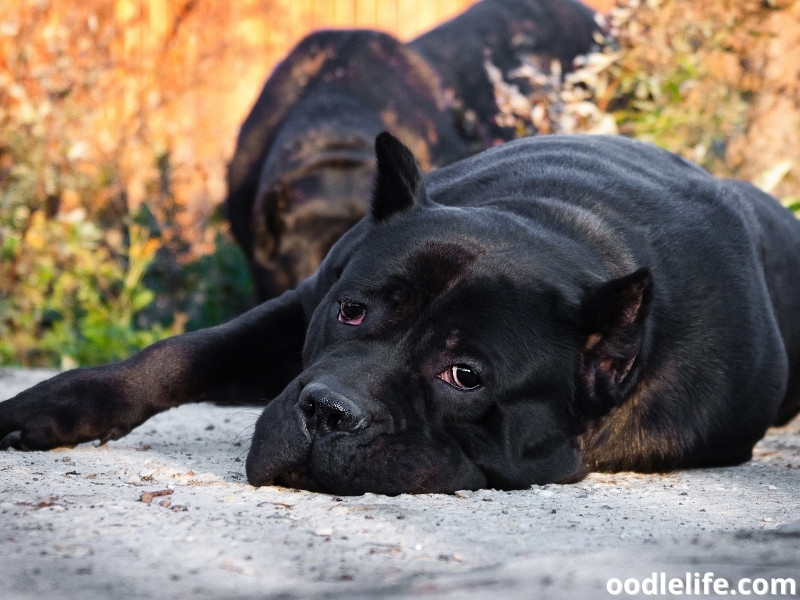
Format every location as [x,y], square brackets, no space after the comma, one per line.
[552,306]
[304,163]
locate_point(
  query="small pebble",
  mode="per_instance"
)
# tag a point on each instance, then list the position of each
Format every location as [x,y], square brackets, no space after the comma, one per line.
[147,497]
[464,494]
[324,532]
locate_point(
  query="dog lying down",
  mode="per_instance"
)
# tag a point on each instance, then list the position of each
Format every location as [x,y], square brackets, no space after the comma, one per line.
[552,306]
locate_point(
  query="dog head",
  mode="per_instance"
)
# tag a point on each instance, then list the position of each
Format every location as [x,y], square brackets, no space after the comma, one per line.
[448,350]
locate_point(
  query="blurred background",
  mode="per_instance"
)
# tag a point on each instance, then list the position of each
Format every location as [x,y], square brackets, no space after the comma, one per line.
[118,117]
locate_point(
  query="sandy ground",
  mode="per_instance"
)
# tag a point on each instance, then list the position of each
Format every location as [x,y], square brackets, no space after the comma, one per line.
[73,525]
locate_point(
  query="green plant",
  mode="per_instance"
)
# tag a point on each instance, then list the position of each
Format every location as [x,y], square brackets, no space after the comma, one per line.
[203,291]
[76,294]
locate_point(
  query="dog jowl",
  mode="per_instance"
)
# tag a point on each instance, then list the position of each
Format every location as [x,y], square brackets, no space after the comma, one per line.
[549,307]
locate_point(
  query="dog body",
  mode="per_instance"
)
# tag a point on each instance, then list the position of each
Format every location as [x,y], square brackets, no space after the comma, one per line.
[552,306]
[506,34]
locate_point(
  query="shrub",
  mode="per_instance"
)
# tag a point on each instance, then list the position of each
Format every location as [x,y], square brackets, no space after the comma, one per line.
[72,293]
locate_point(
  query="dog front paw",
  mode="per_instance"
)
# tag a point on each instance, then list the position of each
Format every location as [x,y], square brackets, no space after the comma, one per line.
[13,440]
[70,408]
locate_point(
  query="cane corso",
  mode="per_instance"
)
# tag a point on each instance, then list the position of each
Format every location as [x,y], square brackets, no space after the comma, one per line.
[303,165]
[552,306]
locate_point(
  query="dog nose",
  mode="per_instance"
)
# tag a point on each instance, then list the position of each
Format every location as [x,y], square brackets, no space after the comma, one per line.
[327,411]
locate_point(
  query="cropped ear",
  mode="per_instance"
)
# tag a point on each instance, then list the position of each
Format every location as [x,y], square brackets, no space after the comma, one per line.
[613,316]
[398,181]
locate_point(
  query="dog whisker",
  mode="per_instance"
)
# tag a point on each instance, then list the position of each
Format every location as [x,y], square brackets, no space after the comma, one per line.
[240,444]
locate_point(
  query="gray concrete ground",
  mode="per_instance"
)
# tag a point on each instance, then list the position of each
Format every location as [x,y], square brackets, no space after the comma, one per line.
[73,525]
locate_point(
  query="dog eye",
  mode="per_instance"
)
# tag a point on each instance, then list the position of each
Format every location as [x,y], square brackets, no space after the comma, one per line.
[351,313]
[462,377]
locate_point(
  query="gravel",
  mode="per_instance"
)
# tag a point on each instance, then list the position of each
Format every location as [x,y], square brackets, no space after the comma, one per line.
[167,512]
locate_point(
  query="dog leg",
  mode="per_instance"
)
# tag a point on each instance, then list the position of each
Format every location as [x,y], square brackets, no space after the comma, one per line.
[108,401]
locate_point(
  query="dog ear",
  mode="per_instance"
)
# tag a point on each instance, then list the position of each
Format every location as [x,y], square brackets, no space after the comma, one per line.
[613,316]
[398,181]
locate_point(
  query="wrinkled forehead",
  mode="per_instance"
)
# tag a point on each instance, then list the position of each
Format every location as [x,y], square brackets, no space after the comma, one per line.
[428,262]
